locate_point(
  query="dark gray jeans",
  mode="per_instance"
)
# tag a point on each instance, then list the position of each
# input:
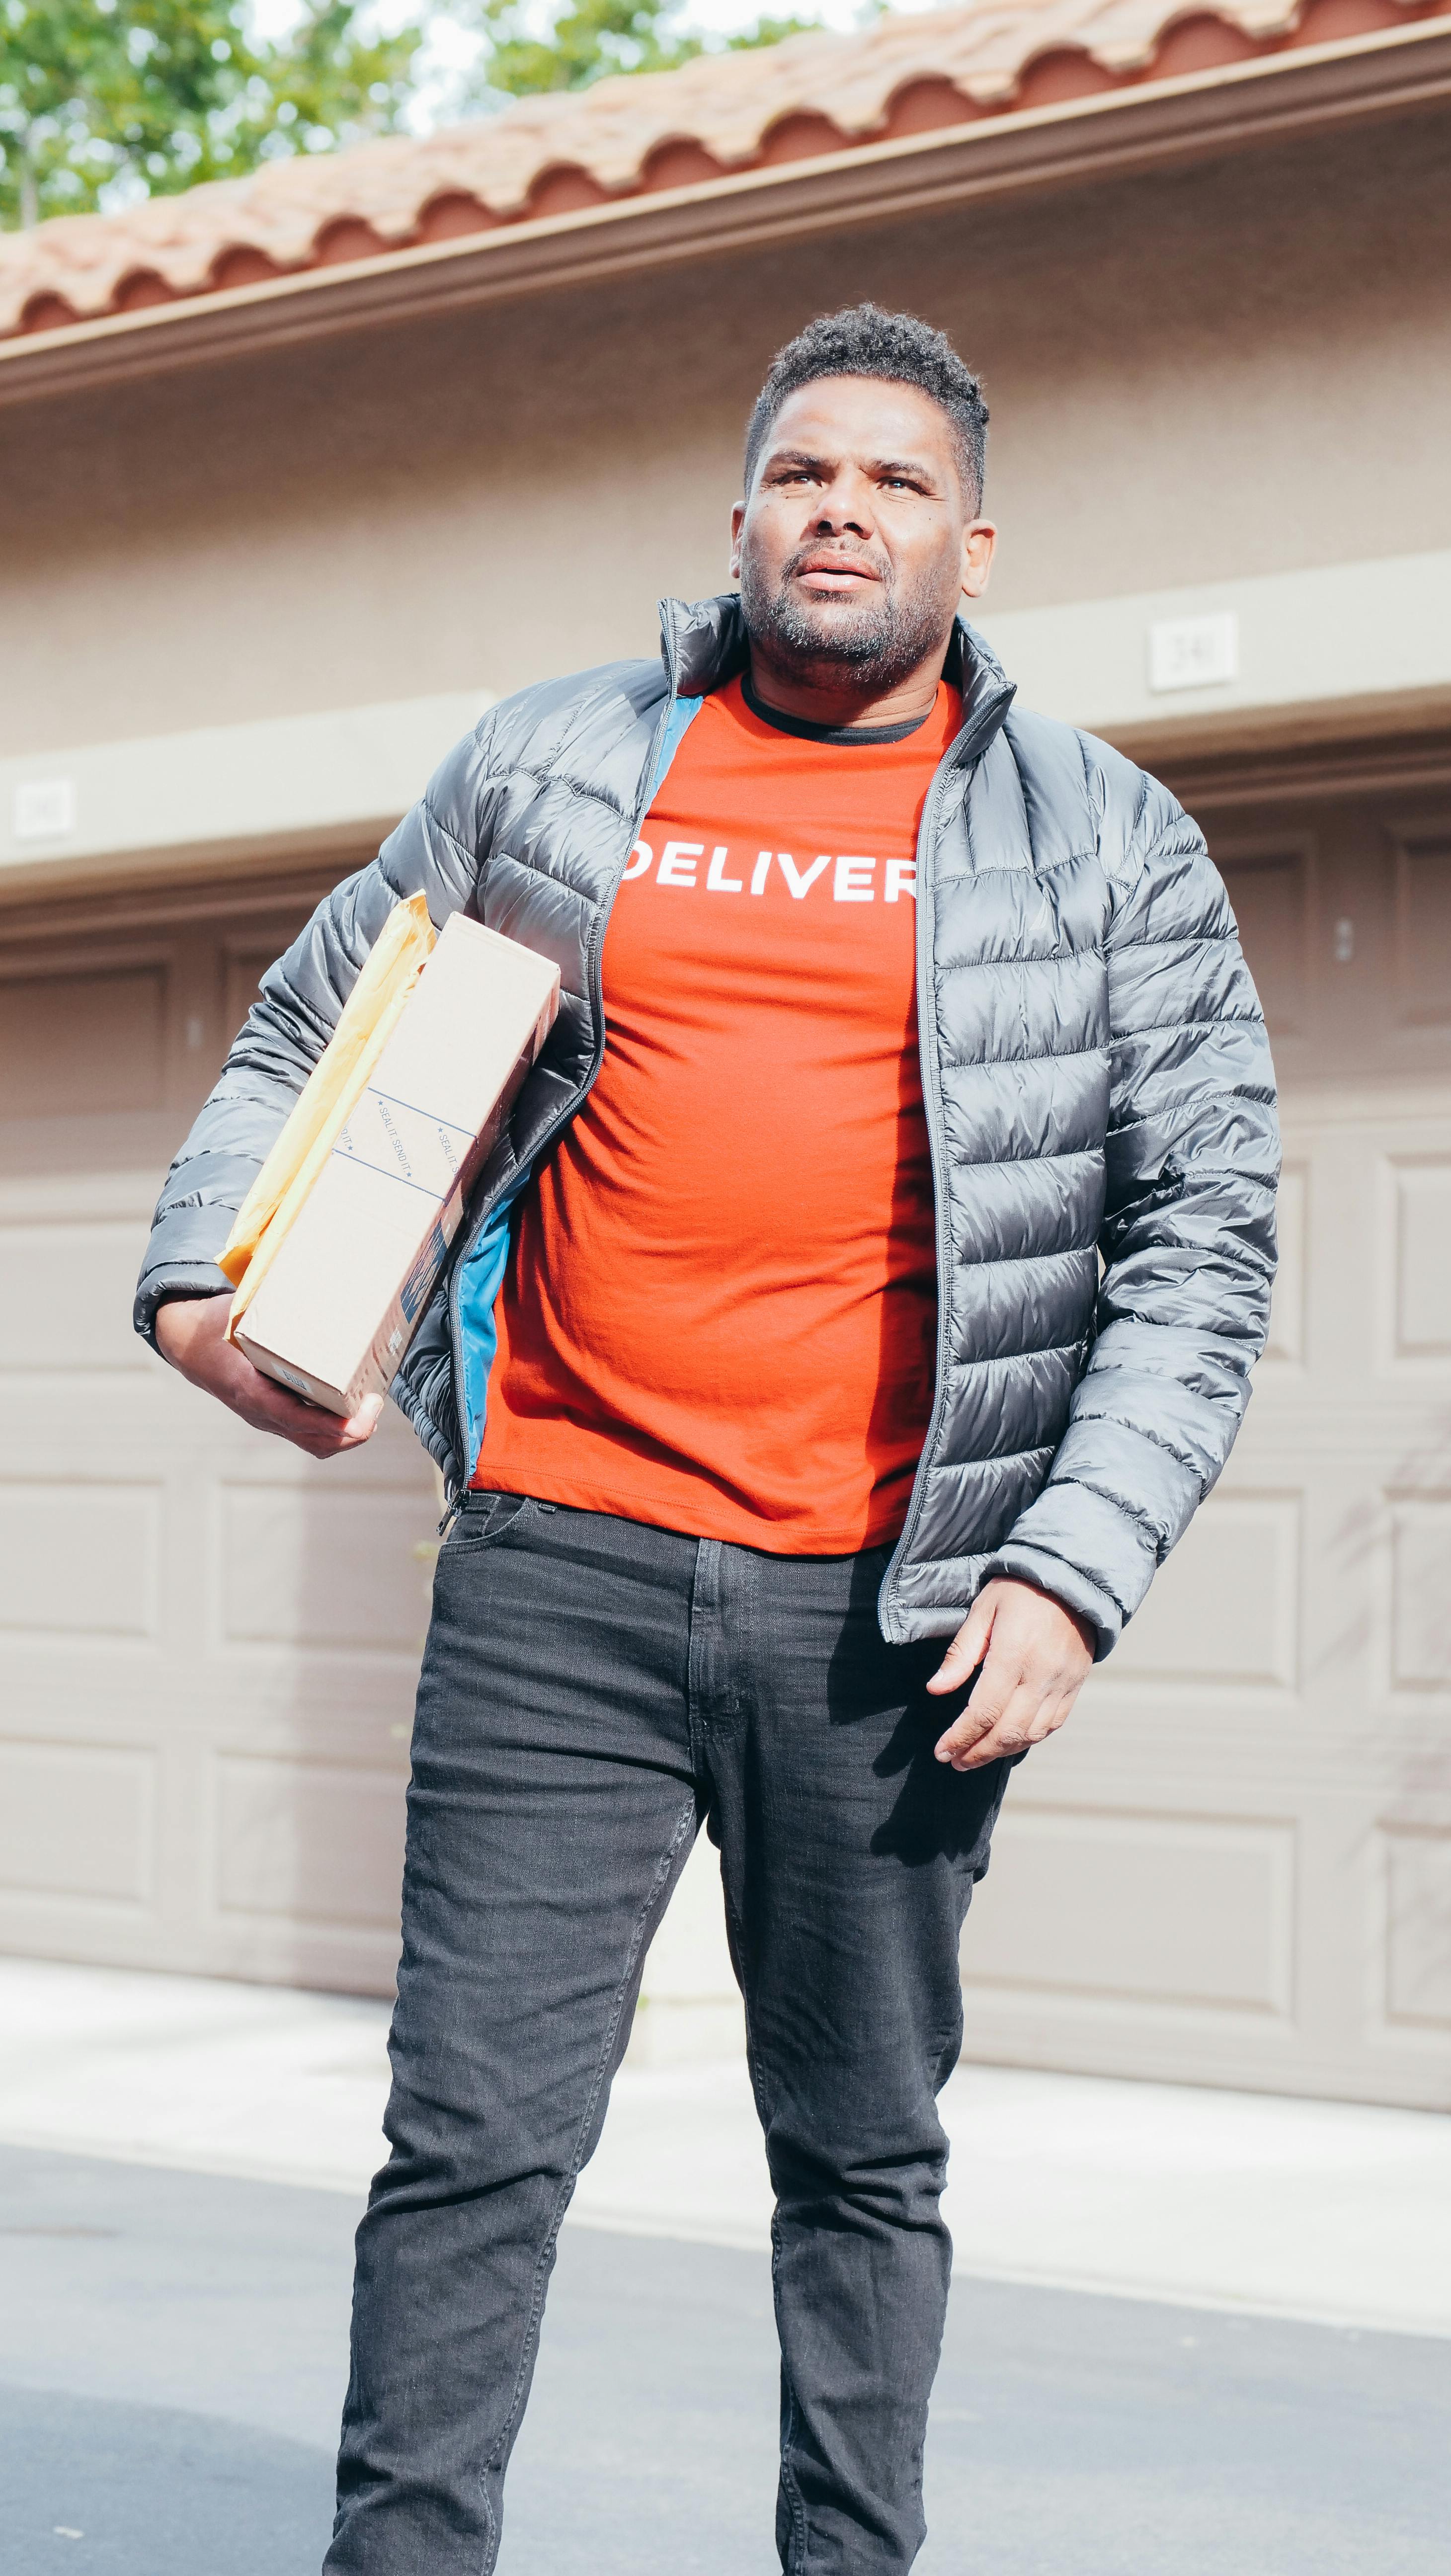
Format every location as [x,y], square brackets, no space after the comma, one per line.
[592,1690]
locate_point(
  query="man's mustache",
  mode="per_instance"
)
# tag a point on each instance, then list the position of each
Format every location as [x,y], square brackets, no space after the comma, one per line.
[813,556]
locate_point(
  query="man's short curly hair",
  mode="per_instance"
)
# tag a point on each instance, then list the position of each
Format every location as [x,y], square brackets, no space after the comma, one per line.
[862,340]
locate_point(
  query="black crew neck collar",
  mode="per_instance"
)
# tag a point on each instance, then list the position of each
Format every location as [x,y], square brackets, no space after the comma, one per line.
[847,737]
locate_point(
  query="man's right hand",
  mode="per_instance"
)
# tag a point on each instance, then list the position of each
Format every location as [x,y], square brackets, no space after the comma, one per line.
[191,1333]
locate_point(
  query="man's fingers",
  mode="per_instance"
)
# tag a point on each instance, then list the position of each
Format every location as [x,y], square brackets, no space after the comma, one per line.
[361,1425]
[1020,1724]
[996,1702]
[271,1408]
[967,1649]
[326,1435]
[308,1426]
[1051,1715]
[996,1684]
[1027,1719]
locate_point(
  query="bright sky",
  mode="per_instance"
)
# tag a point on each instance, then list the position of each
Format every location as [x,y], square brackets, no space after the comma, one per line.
[274,17]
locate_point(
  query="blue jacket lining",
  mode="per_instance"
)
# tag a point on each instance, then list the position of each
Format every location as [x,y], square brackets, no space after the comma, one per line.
[483,1272]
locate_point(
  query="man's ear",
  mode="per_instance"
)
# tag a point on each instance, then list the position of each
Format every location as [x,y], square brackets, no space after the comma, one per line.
[738,521]
[979,538]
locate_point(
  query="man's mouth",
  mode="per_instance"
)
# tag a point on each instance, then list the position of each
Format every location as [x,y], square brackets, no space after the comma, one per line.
[828,574]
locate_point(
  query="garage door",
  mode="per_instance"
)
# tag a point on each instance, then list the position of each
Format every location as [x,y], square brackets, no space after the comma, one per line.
[209,1642]
[1235,1864]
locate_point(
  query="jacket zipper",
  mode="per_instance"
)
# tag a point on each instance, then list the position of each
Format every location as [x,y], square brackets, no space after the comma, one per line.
[986,725]
[454,1494]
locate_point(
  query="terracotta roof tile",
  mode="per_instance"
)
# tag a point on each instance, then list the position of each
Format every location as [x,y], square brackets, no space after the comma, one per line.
[722,113]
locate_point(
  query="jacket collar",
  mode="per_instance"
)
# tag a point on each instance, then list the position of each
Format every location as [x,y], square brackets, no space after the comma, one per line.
[703,645]
[987,693]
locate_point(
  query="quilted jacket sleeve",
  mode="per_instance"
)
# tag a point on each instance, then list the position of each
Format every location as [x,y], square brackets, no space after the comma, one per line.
[434,851]
[1188,1236]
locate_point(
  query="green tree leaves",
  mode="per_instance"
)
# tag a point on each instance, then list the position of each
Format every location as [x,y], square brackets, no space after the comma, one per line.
[101,98]
[588,39]
[157,94]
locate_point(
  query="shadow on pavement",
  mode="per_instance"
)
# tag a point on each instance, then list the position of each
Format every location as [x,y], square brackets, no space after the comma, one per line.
[87,2483]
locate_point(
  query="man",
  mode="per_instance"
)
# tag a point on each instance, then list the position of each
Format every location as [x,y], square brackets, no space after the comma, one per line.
[878,1254]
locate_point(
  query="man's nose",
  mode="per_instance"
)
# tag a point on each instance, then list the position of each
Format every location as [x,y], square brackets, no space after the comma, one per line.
[844,508]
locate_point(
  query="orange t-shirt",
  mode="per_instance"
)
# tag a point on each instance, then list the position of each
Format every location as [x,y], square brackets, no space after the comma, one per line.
[719,1311]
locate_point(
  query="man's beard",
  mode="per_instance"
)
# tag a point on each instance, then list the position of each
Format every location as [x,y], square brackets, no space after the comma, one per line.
[879,639]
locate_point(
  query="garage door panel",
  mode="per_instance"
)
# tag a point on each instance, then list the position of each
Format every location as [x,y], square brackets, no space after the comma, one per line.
[1420,1610]
[1185,1911]
[1419,1240]
[68,1040]
[1224,1609]
[65,1296]
[1422,995]
[79,1567]
[77,1820]
[311,1842]
[1416,1866]
[326,1571]
[1271,889]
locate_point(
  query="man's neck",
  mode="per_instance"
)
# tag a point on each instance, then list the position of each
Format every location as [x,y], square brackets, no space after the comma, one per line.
[827,695]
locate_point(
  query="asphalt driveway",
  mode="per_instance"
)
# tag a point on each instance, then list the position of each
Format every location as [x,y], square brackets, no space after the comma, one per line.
[173,2347]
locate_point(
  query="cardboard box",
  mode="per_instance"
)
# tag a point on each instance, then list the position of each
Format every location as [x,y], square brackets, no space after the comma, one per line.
[344,1289]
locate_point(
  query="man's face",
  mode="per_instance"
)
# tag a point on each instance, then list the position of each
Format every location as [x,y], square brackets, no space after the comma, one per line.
[856,541]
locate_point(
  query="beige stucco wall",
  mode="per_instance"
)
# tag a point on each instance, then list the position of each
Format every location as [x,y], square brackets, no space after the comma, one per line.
[1243,368]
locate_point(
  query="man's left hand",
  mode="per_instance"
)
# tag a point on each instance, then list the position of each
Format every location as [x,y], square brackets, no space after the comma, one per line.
[1034,1656]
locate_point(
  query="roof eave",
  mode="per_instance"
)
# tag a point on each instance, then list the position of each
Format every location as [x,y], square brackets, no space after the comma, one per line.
[1117,133]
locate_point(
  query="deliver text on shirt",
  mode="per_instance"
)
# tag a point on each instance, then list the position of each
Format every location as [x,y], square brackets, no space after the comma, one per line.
[852,879]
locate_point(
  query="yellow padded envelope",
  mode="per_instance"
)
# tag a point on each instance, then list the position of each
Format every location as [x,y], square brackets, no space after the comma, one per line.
[333,1088]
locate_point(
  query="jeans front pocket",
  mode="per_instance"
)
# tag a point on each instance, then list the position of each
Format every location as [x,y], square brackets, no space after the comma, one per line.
[484,1520]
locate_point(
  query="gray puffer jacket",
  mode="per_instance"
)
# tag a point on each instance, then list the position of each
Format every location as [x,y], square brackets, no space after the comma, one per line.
[1099,1094]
